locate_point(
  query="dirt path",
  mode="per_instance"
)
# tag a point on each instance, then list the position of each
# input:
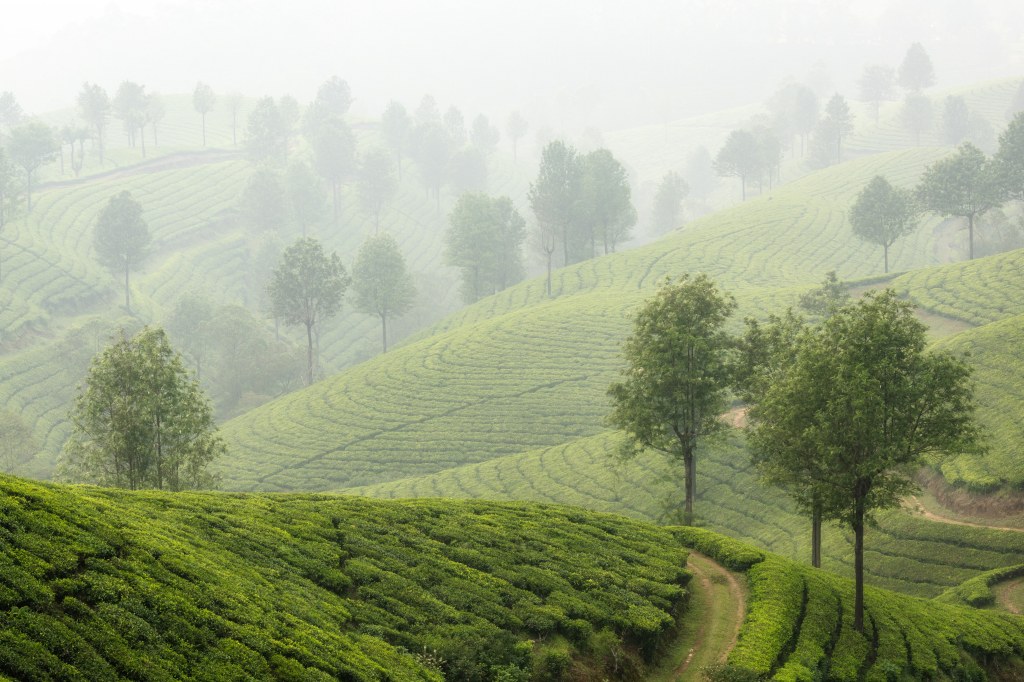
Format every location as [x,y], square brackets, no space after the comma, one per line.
[914,505]
[1009,595]
[718,604]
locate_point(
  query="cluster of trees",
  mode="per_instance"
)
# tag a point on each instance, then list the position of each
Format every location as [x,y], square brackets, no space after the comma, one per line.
[750,155]
[579,201]
[140,421]
[966,185]
[841,412]
[484,241]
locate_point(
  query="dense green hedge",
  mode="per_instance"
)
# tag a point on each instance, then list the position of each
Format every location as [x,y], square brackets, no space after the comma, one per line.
[104,584]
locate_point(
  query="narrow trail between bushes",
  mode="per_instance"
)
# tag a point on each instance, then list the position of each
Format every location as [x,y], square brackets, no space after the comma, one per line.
[711,624]
[915,506]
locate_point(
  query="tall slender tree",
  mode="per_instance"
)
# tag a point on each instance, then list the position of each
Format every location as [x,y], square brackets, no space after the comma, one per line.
[381,282]
[203,99]
[32,144]
[554,196]
[121,238]
[882,214]
[94,106]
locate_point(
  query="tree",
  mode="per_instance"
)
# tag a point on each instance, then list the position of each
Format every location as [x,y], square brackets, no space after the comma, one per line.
[769,152]
[876,85]
[739,157]
[668,203]
[484,240]
[396,127]
[555,194]
[189,326]
[307,287]
[121,238]
[266,140]
[827,143]
[140,421]
[882,214]
[10,111]
[382,285]
[333,100]
[606,200]
[825,299]
[1009,160]
[306,199]
[794,110]
[334,156]
[234,102]
[455,126]
[264,203]
[483,136]
[964,185]
[516,127]
[17,443]
[131,107]
[94,106]
[862,403]
[916,71]
[956,119]
[432,148]
[677,376]
[155,112]
[916,115]
[8,190]
[376,183]
[203,99]
[31,145]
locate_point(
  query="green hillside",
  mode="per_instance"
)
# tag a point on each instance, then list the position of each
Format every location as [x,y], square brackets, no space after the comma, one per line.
[518,370]
[105,584]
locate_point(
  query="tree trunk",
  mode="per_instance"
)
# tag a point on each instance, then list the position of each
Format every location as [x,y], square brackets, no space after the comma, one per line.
[858,563]
[159,457]
[384,332]
[690,463]
[885,248]
[142,138]
[28,189]
[127,300]
[816,536]
[309,354]
[970,237]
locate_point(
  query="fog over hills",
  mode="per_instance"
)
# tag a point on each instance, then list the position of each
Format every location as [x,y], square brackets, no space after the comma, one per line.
[606,64]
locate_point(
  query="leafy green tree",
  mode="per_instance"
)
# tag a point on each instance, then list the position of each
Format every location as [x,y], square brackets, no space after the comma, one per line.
[965,185]
[484,240]
[1009,159]
[10,111]
[121,238]
[376,183]
[264,203]
[825,299]
[307,287]
[140,421]
[94,106]
[956,119]
[667,213]
[832,129]
[877,85]
[769,151]
[916,115]
[189,327]
[554,196]
[155,113]
[916,71]
[306,199]
[130,104]
[8,187]
[432,150]
[31,145]
[334,156]
[882,214]
[794,109]
[333,100]
[381,282]
[606,200]
[516,127]
[455,126]
[739,157]
[266,138]
[396,127]
[483,136]
[678,374]
[203,99]
[862,403]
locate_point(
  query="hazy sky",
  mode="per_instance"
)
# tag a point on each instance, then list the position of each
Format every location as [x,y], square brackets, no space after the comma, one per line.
[603,63]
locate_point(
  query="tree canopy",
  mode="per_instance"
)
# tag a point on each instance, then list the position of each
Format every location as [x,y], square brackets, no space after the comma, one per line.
[668,203]
[554,195]
[1009,159]
[307,287]
[121,238]
[382,285]
[916,71]
[856,410]
[484,241]
[876,85]
[882,214]
[140,421]
[31,145]
[677,374]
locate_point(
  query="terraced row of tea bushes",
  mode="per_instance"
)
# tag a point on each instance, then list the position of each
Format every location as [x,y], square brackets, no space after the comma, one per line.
[977,591]
[995,353]
[904,553]
[106,584]
[799,626]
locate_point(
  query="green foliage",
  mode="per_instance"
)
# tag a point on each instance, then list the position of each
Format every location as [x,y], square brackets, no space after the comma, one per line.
[554,198]
[832,129]
[916,71]
[882,214]
[484,240]
[1009,160]
[264,202]
[17,443]
[140,421]
[977,591]
[668,203]
[308,587]
[380,281]
[825,299]
[31,145]
[740,157]
[377,183]
[605,199]
[121,238]
[266,134]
